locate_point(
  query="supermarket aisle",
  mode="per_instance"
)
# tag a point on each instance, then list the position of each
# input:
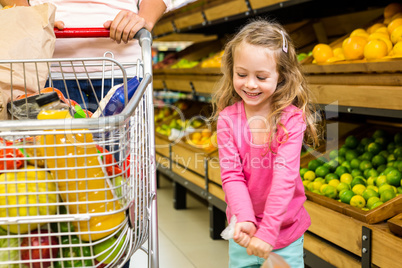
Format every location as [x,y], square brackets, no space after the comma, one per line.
[184,240]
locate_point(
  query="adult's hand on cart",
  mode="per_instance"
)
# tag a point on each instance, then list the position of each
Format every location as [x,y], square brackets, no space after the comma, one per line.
[124,26]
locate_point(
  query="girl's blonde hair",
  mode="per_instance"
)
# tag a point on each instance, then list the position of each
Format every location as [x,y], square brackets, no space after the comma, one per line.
[292,88]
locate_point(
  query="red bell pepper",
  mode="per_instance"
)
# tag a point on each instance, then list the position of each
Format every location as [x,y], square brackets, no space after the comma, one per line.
[9,156]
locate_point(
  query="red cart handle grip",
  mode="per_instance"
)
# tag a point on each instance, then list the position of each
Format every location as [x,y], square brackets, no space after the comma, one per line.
[81,32]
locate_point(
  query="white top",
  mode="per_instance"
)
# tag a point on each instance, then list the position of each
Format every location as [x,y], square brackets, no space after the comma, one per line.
[93,13]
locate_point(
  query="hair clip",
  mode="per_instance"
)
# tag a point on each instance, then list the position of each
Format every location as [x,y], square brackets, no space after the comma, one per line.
[284,43]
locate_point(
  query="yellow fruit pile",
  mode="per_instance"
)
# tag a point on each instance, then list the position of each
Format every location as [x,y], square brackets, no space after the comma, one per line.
[213,61]
[204,139]
[379,41]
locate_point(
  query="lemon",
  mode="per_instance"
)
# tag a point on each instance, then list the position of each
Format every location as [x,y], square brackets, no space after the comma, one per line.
[358,201]
[396,34]
[380,180]
[375,188]
[322,189]
[334,183]
[346,178]
[371,180]
[317,185]
[359,189]
[375,49]
[309,175]
[303,171]
[342,186]
[305,184]
[384,187]
[330,191]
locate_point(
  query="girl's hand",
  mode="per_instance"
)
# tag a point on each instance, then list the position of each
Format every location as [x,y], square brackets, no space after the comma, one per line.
[124,26]
[244,231]
[259,248]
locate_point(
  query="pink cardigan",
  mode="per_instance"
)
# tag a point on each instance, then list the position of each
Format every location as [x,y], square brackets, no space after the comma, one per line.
[264,189]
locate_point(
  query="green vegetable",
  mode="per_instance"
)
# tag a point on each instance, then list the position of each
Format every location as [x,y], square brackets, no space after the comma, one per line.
[74,252]
[9,255]
[63,227]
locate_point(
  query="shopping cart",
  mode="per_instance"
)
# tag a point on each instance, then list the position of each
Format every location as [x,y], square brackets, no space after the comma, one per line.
[80,192]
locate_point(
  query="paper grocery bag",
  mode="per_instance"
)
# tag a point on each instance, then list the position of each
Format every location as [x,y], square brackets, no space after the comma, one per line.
[27,33]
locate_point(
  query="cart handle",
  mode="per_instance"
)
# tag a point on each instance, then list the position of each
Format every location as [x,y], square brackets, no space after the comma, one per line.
[89,32]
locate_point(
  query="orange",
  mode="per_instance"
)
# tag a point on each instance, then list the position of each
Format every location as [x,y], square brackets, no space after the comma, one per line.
[382,30]
[375,27]
[394,24]
[338,53]
[353,47]
[397,50]
[384,37]
[359,32]
[396,34]
[375,49]
[391,9]
[322,52]
[7,7]
[388,20]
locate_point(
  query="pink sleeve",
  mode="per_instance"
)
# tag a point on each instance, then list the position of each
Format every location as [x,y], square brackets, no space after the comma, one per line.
[233,182]
[286,172]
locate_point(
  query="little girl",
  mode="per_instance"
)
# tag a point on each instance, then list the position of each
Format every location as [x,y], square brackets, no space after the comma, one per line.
[264,110]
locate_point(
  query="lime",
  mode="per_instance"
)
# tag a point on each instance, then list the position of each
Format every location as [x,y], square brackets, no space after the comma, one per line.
[310,186]
[398,152]
[331,176]
[340,170]
[358,180]
[330,191]
[322,160]
[347,164]
[367,156]
[320,179]
[332,165]
[391,157]
[375,188]
[356,172]
[351,154]
[379,133]
[382,179]
[388,169]
[384,187]
[371,201]
[383,141]
[387,195]
[355,163]
[351,142]
[309,175]
[365,164]
[302,171]
[313,164]
[391,147]
[366,141]
[372,173]
[321,171]
[371,180]
[359,189]
[376,204]
[399,167]
[394,178]
[342,186]
[381,168]
[333,154]
[340,159]
[384,153]
[342,151]
[360,149]
[378,160]
[399,189]
[358,201]
[346,196]
[367,193]
[346,178]
[398,138]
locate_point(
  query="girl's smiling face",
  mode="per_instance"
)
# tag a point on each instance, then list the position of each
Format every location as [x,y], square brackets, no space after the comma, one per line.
[255,76]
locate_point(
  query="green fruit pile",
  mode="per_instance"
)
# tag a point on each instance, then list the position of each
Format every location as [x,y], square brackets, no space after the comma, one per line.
[364,173]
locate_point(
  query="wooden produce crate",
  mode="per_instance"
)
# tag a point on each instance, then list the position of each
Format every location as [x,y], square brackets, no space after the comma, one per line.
[226,9]
[214,170]
[216,190]
[395,225]
[256,4]
[383,212]
[189,175]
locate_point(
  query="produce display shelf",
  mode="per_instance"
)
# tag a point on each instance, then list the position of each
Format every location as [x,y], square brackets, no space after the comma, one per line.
[347,233]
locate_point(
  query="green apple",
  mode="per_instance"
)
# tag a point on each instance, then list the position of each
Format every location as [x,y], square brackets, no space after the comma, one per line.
[107,247]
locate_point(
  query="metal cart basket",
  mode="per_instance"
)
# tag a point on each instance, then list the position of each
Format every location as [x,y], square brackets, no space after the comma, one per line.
[79,192]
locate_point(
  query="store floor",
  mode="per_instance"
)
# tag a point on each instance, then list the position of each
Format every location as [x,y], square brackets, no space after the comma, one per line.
[184,240]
